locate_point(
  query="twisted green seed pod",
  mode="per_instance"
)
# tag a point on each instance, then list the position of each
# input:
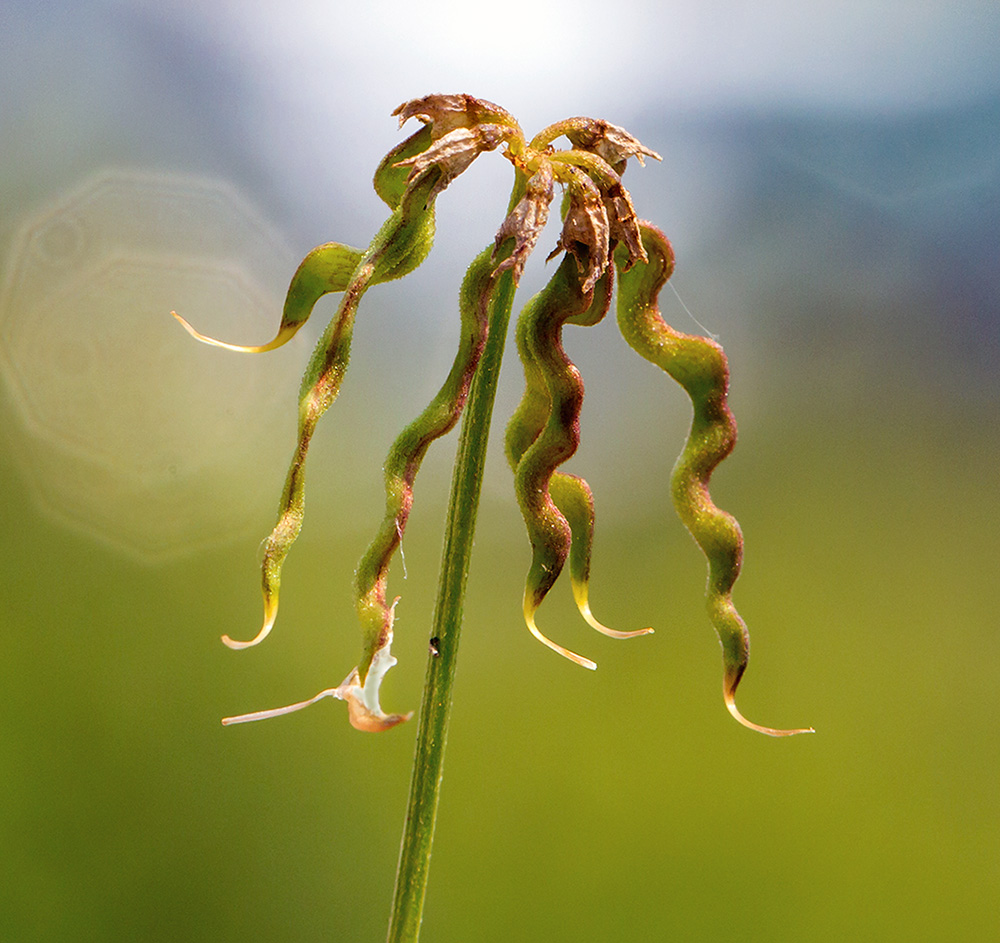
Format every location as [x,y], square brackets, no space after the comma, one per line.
[327,268]
[570,493]
[407,453]
[543,433]
[701,367]
[399,247]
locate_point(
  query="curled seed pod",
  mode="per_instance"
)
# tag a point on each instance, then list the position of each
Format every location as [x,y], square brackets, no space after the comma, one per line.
[325,269]
[543,433]
[329,267]
[407,453]
[538,331]
[570,493]
[401,244]
[572,496]
[701,367]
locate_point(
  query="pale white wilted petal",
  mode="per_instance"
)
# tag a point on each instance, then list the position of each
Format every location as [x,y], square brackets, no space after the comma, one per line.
[526,221]
[362,700]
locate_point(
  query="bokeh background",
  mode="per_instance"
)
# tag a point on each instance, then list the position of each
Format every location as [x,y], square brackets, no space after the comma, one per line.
[831,183]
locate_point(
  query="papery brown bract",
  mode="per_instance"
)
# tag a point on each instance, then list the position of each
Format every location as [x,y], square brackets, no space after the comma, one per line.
[526,221]
[612,143]
[445,113]
[585,233]
[452,153]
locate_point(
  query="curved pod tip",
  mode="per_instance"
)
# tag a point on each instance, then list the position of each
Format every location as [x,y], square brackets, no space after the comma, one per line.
[592,621]
[529,619]
[730,697]
[270,615]
[283,337]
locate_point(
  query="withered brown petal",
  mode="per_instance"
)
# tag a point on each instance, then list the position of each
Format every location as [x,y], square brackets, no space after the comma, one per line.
[623,225]
[454,152]
[445,113]
[526,221]
[586,229]
[612,143]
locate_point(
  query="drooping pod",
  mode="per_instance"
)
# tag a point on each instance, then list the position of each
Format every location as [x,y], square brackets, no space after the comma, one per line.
[573,497]
[407,453]
[570,494]
[330,267]
[539,329]
[544,433]
[400,246]
[327,268]
[701,367]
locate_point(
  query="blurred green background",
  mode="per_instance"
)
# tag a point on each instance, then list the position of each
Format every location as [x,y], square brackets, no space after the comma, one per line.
[831,182]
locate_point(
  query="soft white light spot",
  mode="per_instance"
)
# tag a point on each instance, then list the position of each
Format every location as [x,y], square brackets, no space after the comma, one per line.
[127,428]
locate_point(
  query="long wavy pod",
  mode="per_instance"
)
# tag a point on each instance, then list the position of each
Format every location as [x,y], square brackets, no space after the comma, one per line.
[700,366]
[548,369]
[400,246]
[544,433]
[407,453]
[570,493]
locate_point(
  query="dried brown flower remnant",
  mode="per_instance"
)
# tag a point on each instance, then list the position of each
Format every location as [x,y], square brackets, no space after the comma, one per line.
[609,141]
[454,152]
[526,221]
[447,112]
[623,224]
[585,230]
[624,227]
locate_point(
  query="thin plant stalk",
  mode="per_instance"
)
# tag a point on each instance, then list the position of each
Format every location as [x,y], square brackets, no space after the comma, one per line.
[432,735]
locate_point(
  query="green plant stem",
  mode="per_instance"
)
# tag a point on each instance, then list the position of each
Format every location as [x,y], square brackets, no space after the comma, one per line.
[432,735]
